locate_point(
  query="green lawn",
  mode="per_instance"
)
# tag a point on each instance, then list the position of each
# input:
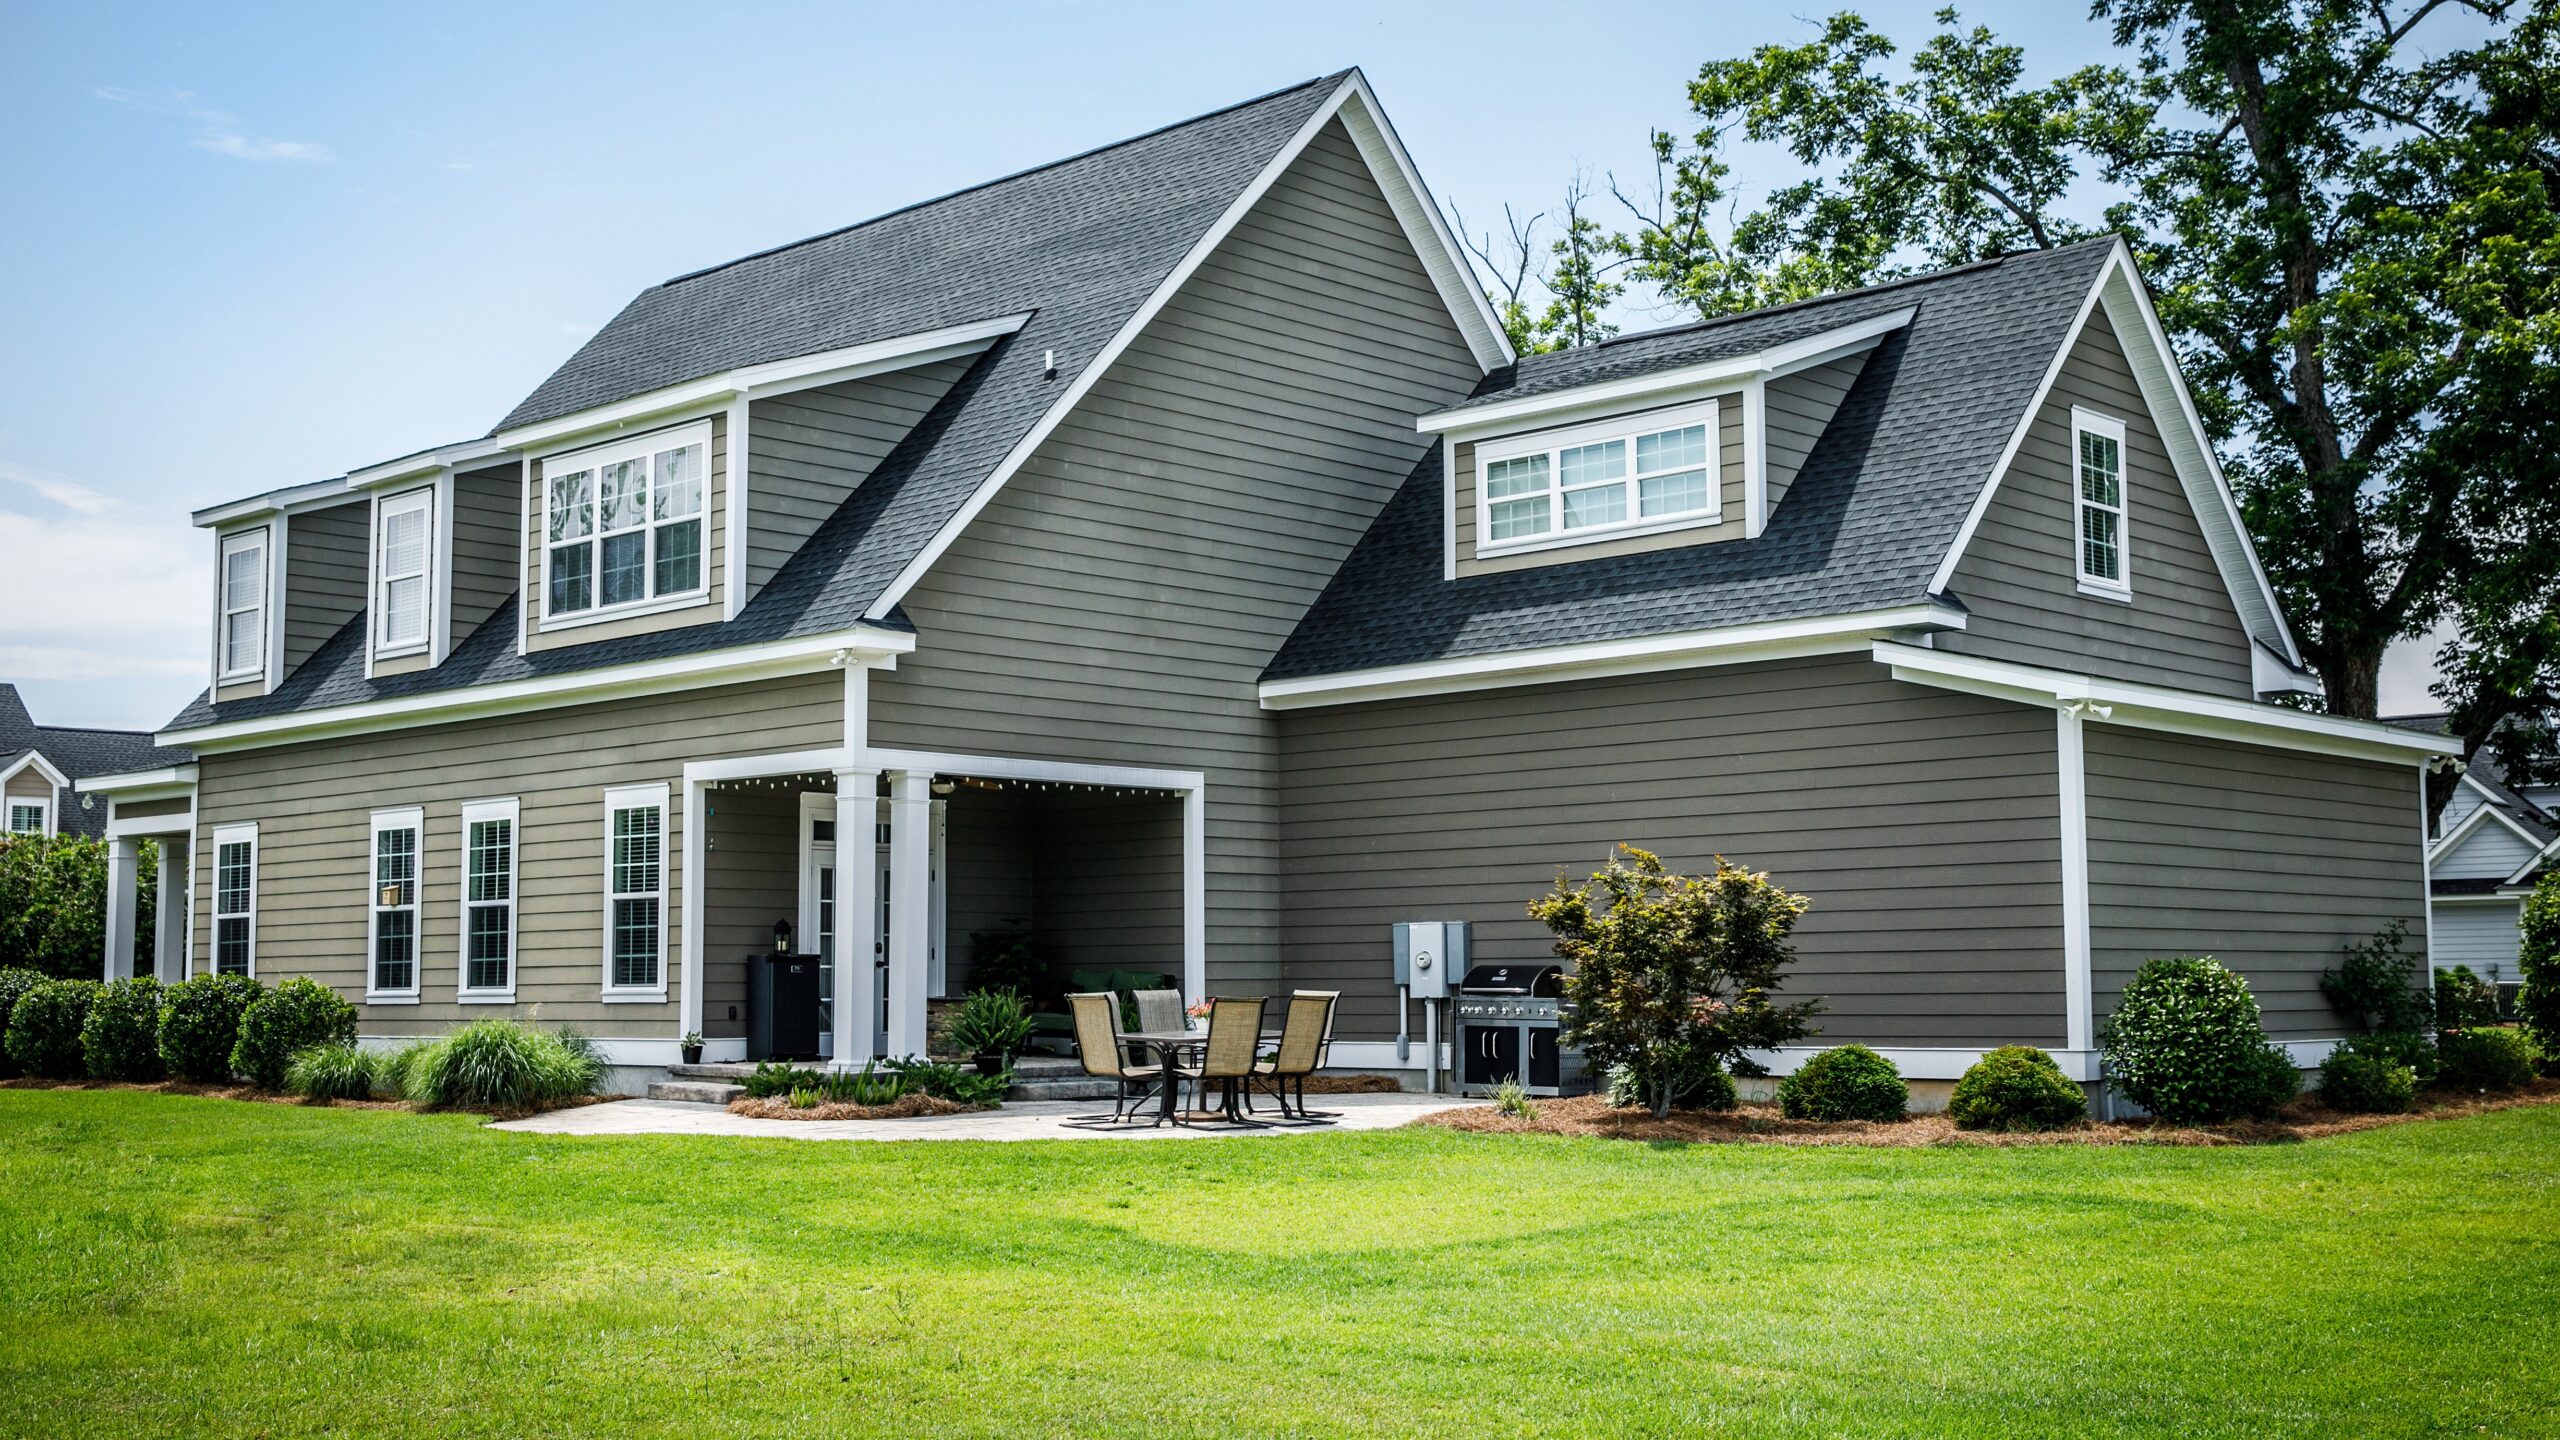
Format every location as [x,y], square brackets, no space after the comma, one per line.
[176,1266]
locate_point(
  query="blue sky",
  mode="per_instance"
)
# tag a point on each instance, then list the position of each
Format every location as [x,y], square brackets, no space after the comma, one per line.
[250,247]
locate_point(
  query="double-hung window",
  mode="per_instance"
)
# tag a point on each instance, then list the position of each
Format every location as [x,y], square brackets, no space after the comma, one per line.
[624,524]
[392,938]
[242,641]
[489,901]
[2097,448]
[635,902]
[404,547]
[235,899]
[1634,475]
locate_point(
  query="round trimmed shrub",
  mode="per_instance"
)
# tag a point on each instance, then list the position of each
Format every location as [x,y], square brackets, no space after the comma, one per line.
[2185,1044]
[15,980]
[2475,1060]
[333,1072]
[1848,1082]
[121,1038]
[44,1028]
[498,1065]
[200,1024]
[2366,1084]
[2016,1087]
[294,1016]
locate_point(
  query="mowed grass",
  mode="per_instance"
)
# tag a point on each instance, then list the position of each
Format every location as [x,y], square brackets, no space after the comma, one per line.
[174,1266]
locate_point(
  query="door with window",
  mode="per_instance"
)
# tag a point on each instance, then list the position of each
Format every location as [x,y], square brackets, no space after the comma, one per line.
[818,892]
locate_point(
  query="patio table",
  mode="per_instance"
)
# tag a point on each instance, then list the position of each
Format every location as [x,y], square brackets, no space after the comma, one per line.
[1167,1044]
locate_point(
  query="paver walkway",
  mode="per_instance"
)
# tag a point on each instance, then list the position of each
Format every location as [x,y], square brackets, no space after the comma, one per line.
[1021,1120]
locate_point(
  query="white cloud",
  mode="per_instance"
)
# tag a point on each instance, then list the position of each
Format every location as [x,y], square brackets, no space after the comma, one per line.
[242,147]
[88,595]
[218,131]
[62,490]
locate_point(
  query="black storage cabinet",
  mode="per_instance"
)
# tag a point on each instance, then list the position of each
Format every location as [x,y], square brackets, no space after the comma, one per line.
[783,1014]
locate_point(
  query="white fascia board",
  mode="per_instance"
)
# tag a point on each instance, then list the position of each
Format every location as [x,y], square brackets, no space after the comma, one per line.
[2481,814]
[2547,852]
[776,377]
[2271,674]
[292,499]
[34,760]
[2156,707]
[1425,229]
[862,645]
[1725,645]
[140,784]
[1664,385]
[444,459]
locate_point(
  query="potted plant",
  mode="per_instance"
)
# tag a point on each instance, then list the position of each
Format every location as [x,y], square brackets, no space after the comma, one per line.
[991,1026]
[691,1046]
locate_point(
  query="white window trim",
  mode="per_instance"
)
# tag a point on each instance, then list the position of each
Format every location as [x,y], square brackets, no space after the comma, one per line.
[2121,587]
[412,819]
[593,459]
[225,671]
[1624,428]
[44,814]
[473,813]
[245,833]
[423,499]
[635,797]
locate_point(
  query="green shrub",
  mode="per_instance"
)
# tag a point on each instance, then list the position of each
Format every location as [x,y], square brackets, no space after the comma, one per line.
[2417,1052]
[773,1077]
[53,903]
[2184,1043]
[200,1023]
[15,981]
[44,1028]
[2366,1084]
[334,1072]
[950,1082]
[2464,1000]
[1696,1087]
[2380,985]
[991,1022]
[1849,1082]
[121,1038]
[498,1065]
[2477,1060]
[2016,1087]
[2538,960]
[294,1016]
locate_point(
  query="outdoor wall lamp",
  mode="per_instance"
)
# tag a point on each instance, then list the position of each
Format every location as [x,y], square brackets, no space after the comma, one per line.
[782,937]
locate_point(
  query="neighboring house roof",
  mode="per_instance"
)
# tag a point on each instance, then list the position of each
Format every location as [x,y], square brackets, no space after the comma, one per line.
[1882,498]
[2500,802]
[76,754]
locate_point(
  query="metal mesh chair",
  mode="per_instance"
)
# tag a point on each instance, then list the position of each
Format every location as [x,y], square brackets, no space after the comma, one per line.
[1158,1009]
[1097,1021]
[1235,1034]
[1306,1027]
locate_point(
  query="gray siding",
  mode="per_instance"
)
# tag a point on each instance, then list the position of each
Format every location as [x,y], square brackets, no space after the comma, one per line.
[2019,578]
[487,559]
[1109,884]
[2492,851]
[2482,936]
[989,868]
[324,577]
[1924,825]
[1800,407]
[2270,860]
[1727,527]
[750,878]
[312,803]
[807,451]
[1118,600]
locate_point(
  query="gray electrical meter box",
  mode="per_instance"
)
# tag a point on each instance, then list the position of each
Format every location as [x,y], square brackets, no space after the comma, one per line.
[1431,957]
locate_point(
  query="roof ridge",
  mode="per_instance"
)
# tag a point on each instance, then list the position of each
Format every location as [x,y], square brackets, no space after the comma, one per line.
[1335,78]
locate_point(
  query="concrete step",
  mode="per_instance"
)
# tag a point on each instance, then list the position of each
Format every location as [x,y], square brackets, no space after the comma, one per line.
[696,1092]
[1079,1087]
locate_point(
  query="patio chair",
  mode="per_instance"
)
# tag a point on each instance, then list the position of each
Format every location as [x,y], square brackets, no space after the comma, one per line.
[1305,1031]
[1097,1017]
[1235,1035]
[1157,1010]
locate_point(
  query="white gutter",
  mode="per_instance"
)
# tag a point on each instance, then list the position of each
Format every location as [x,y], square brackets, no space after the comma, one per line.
[132,784]
[292,499]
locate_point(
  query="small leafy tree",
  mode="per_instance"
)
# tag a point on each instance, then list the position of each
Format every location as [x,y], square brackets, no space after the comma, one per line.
[1673,975]
[53,904]
[2538,1006]
[2377,986]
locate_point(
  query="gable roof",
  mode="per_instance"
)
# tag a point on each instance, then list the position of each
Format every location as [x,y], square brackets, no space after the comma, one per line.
[66,753]
[1881,499]
[2499,801]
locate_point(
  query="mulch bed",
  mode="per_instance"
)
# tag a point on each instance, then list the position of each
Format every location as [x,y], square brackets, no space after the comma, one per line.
[1351,1085]
[278,1097]
[909,1106]
[2304,1119]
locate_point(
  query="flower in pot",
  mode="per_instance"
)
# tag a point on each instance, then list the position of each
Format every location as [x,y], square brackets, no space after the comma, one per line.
[691,1046]
[992,1026]
[1196,1015]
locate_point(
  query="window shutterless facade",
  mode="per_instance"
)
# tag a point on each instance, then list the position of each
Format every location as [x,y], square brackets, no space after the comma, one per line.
[392,934]
[626,525]
[235,900]
[2101,540]
[27,817]
[404,554]
[242,639]
[1626,476]
[489,902]
[635,901]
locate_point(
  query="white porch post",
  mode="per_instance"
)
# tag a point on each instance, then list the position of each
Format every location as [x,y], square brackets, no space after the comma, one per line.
[857,1018]
[1195,893]
[169,924]
[124,898]
[697,804]
[2072,769]
[910,907]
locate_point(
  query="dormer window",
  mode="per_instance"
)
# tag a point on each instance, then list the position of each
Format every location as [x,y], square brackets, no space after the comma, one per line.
[405,546]
[1632,475]
[2097,445]
[243,637]
[624,523]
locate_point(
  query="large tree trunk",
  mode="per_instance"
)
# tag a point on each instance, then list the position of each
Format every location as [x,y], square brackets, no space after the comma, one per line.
[2354,683]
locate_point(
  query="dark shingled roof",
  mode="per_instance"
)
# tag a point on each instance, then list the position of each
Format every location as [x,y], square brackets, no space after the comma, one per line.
[2539,822]
[1865,525]
[78,754]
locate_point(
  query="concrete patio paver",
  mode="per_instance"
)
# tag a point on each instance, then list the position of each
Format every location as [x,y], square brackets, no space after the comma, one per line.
[1021,1120]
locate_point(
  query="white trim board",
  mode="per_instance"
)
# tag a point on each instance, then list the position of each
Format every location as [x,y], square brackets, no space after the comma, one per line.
[141,784]
[34,759]
[2487,810]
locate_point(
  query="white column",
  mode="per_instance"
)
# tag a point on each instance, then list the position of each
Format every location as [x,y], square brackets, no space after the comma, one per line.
[2072,771]
[697,837]
[1195,893]
[857,916]
[169,924]
[124,898]
[910,907]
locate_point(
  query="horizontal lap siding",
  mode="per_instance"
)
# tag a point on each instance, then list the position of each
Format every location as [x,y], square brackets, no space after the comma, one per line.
[2480,936]
[1923,825]
[750,878]
[324,577]
[487,560]
[989,856]
[1108,884]
[2492,851]
[1117,602]
[312,803]
[2019,579]
[1800,407]
[2272,861]
[808,450]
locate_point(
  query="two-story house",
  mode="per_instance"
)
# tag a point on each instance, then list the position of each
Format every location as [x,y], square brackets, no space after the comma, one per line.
[1163,553]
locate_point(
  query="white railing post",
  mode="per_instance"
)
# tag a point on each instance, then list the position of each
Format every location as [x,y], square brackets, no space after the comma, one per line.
[910,907]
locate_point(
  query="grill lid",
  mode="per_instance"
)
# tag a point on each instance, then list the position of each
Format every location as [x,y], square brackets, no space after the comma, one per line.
[1534,980]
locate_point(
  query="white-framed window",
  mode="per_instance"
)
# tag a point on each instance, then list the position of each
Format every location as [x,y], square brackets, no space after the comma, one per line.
[30,817]
[242,640]
[235,899]
[391,937]
[625,524]
[403,557]
[2100,538]
[489,901]
[1632,475]
[635,893]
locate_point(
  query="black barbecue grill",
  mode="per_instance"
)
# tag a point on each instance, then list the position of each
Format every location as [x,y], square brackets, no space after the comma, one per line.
[1508,1021]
